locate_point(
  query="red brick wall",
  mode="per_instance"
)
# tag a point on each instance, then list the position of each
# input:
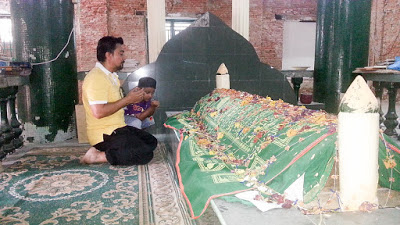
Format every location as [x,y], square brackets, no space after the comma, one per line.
[195,8]
[95,19]
[123,22]
[266,32]
[384,30]
[222,9]
[90,25]
[256,19]
[185,8]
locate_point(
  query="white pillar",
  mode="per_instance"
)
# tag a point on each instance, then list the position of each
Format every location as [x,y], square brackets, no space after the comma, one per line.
[155,27]
[240,17]
[358,143]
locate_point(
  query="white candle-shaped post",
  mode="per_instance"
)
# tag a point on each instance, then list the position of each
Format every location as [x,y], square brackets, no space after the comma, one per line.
[358,137]
[222,77]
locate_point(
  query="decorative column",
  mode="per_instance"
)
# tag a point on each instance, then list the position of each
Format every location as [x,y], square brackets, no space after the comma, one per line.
[5,127]
[342,45]
[156,27]
[15,124]
[358,138]
[240,17]
[391,115]
[2,153]
[296,81]
[378,94]
[10,130]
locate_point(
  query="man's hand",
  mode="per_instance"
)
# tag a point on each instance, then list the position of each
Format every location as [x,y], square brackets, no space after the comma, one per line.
[135,95]
[102,110]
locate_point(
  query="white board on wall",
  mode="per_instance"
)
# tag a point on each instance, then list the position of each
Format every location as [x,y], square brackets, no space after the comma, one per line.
[298,44]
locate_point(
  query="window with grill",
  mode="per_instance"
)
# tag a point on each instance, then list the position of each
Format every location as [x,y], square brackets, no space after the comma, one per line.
[5,37]
[174,26]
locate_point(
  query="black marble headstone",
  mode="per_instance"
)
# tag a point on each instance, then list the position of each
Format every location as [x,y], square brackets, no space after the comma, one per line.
[185,69]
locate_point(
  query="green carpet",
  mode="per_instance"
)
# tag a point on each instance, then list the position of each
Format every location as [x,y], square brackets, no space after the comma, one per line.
[50,186]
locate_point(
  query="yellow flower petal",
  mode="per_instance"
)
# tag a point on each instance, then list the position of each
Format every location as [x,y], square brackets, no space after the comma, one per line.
[203,141]
[244,102]
[213,114]
[389,163]
[257,129]
[291,132]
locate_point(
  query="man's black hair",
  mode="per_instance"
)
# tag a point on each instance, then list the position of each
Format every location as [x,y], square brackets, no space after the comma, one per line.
[107,44]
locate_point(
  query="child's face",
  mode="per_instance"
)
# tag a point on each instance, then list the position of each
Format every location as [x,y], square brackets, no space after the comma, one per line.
[148,93]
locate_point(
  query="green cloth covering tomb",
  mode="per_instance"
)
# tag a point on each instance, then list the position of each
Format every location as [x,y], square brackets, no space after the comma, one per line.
[233,141]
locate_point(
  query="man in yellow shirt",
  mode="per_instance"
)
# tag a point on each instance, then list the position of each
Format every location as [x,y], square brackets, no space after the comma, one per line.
[103,102]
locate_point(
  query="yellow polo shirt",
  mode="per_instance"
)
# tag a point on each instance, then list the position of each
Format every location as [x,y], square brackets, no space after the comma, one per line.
[100,87]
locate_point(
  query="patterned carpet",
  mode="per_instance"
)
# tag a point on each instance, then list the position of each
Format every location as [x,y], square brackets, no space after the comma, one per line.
[165,198]
[50,186]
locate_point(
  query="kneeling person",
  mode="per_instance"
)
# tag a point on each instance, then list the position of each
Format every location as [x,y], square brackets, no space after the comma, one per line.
[112,141]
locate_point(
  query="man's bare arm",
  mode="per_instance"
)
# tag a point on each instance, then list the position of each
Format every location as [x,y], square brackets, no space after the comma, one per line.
[103,110]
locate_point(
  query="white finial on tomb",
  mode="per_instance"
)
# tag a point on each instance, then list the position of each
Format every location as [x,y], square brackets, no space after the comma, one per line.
[222,69]
[222,77]
[358,143]
[359,98]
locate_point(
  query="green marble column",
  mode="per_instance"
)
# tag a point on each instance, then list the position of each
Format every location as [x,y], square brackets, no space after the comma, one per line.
[342,44]
[6,130]
[41,29]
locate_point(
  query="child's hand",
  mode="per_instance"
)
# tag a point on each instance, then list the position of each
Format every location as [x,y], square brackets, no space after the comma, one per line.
[155,103]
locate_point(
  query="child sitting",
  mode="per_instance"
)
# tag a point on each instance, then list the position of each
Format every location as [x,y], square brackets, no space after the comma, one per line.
[140,115]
